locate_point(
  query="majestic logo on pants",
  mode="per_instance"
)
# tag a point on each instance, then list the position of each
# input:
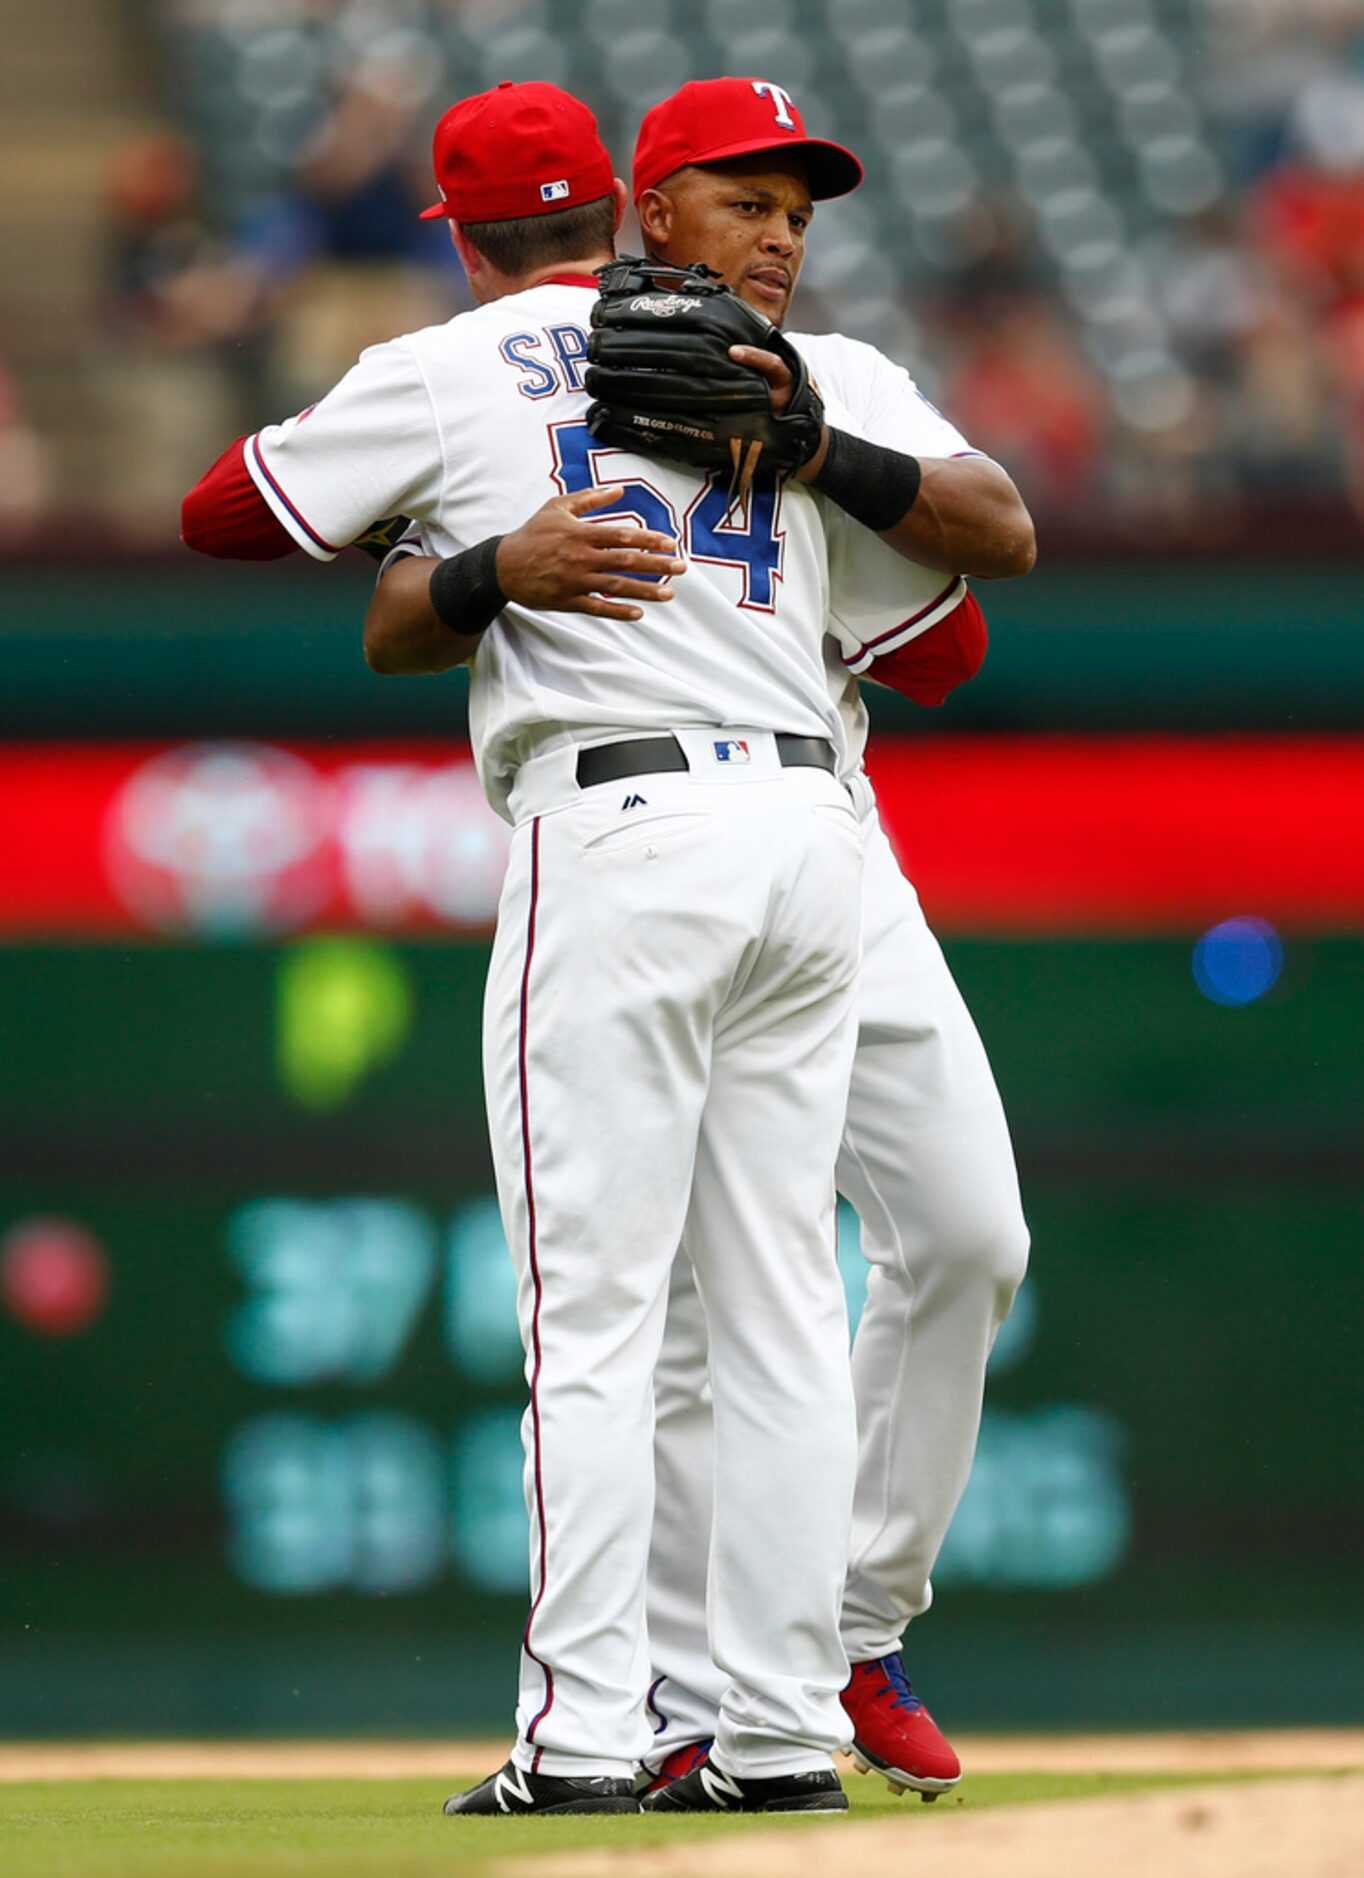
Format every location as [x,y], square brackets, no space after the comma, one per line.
[731,751]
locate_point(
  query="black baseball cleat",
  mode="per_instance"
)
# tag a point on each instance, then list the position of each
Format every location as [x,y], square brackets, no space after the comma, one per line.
[513,1790]
[707,1790]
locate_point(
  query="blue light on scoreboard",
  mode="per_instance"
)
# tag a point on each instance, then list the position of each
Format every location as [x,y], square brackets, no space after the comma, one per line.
[1238,961]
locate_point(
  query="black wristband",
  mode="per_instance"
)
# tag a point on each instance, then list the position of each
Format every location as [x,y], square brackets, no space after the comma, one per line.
[464,592]
[876,486]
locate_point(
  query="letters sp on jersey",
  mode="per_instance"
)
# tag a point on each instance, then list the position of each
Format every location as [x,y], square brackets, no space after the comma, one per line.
[549,360]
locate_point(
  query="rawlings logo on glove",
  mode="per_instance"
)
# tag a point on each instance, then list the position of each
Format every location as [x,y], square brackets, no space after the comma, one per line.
[663,305]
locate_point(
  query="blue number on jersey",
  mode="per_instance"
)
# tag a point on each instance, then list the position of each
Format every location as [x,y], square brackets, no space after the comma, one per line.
[575,469]
[752,543]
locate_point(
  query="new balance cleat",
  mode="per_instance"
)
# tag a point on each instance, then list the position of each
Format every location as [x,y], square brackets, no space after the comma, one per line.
[706,1789]
[681,1761]
[894,1734]
[514,1790]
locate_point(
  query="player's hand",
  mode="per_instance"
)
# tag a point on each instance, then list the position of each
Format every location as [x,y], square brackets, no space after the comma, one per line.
[779,376]
[780,383]
[561,562]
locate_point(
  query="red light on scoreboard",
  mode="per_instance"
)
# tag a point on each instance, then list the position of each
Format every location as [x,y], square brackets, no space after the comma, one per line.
[54,1276]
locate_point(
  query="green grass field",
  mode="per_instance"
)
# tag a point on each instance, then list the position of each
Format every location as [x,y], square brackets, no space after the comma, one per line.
[363,1828]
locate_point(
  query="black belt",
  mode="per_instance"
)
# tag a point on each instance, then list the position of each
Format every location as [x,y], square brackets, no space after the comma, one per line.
[647,756]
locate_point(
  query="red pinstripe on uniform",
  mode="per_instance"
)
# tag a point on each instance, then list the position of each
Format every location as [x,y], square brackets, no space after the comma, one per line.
[298,515]
[533,1251]
[893,632]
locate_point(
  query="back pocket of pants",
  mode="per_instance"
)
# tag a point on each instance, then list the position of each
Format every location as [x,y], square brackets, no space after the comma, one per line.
[637,831]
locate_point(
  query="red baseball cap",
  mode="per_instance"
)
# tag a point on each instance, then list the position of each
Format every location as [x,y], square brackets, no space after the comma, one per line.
[517,150]
[713,118]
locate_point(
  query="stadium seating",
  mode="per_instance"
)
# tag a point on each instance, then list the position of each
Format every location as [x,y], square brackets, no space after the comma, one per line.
[1087,112]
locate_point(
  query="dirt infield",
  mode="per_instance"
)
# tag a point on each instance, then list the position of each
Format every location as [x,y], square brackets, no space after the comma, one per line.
[1308,1828]
[1270,1751]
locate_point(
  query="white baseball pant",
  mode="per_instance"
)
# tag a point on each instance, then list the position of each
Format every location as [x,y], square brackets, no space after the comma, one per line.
[669,1028]
[927,1163]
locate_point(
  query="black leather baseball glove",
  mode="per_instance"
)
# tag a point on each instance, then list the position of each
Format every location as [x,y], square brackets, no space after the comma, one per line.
[664,384]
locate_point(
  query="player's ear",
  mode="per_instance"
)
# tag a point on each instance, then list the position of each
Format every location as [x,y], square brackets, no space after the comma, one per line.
[655,212]
[621,197]
[472,261]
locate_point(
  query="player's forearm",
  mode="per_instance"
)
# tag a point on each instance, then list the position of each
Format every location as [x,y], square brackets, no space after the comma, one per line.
[968,518]
[961,515]
[404,635]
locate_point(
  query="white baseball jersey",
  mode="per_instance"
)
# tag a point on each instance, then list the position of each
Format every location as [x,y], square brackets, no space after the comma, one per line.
[465,425]
[878,601]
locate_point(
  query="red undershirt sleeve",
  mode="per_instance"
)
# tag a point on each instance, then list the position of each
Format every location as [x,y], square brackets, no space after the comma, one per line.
[934,664]
[226,516]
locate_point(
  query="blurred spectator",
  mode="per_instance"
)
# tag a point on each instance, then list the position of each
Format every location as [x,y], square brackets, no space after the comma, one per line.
[344,240]
[1019,388]
[210,334]
[356,181]
[1307,217]
[174,285]
[25,473]
[1269,54]
[1215,291]
[1267,418]
[185,321]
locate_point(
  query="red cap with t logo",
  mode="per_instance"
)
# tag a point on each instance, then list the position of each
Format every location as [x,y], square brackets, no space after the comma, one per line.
[713,118]
[517,150]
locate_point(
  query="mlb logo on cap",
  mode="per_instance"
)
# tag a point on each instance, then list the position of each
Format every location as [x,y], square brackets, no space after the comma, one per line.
[552,192]
[731,751]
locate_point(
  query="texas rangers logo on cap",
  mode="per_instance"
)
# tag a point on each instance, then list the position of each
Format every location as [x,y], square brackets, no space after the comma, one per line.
[712,120]
[731,750]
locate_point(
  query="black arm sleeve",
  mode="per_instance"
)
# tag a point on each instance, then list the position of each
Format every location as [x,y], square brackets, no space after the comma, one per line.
[876,486]
[464,590]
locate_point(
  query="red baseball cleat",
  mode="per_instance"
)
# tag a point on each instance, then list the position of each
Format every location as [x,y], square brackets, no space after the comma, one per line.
[677,1765]
[894,1734]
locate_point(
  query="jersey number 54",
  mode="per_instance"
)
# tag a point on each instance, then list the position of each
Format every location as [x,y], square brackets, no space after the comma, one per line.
[750,539]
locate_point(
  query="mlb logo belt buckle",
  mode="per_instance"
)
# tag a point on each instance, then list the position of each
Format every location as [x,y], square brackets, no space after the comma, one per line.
[731,750]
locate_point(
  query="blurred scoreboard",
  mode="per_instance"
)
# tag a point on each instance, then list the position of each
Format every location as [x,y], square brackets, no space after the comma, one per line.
[260,1379]
[257,1296]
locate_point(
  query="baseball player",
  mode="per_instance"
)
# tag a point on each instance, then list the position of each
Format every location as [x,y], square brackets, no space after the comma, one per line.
[926,1158]
[670,1012]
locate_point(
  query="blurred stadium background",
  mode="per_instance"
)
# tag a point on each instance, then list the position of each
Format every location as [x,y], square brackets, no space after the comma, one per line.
[259,1382]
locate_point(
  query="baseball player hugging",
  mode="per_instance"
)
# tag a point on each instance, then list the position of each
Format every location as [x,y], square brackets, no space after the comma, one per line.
[663,702]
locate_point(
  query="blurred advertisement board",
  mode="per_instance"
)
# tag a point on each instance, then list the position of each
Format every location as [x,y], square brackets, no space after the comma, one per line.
[242,840]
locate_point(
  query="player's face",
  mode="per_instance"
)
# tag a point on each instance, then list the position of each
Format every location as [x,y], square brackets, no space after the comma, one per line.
[747,219]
